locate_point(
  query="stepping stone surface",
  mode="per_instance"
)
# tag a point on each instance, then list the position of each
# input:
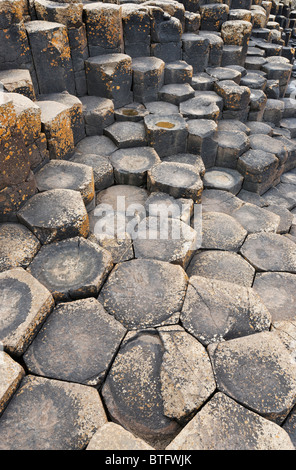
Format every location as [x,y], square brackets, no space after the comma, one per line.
[131,165]
[55,215]
[258,372]
[80,354]
[111,436]
[72,269]
[223,424]
[18,246]
[51,415]
[11,376]
[277,291]
[270,252]
[221,232]
[215,311]
[25,304]
[144,293]
[222,266]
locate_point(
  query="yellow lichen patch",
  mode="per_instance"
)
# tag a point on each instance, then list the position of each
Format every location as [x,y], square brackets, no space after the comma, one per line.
[166,125]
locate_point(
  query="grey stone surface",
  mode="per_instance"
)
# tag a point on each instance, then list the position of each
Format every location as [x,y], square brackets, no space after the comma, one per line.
[72,269]
[220,231]
[51,415]
[215,311]
[144,293]
[18,246]
[82,353]
[257,371]
[223,424]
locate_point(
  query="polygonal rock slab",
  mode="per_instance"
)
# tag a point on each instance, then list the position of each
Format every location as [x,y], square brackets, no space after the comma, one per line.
[167,134]
[18,246]
[221,232]
[222,266]
[96,145]
[225,179]
[129,195]
[162,205]
[165,239]
[172,377]
[256,219]
[51,415]
[24,305]
[111,436]
[216,200]
[55,215]
[278,293]
[72,269]
[131,165]
[127,134]
[176,93]
[215,311]
[187,378]
[259,372]
[81,353]
[286,218]
[231,145]
[177,179]
[67,175]
[223,424]
[102,169]
[11,376]
[201,107]
[132,390]
[270,252]
[143,293]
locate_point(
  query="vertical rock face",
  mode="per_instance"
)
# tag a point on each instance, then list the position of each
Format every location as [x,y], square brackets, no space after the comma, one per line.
[103,28]
[52,58]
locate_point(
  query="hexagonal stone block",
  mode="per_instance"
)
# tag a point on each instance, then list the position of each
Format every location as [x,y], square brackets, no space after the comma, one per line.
[223,424]
[256,219]
[225,179]
[257,371]
[72,269]
[144,293]
[231,145]
[11,376]
[233,125]
[162,205]
[96,145]
[101,166]
[98,113]
[167,134]
[277,291]
[177,72]
[221,232]
[67,175]
[235,96]
[112,436]
[270,252]
[56,124]
[222,266]
[18,81]
[127,134]
[177,179]
[162,108]
[215,311]
[254,80]
[28,115]
[195,51]
[49,414]
[215,200]
[110,76]
[201,107]
[82,353]
[201,133]
[174,375]
[259,169]
[131,165]
[55,215]
[18,246]
[133,112]
[224,73]
[25,303]
[148,78]
[165,239]
[203,82]
[286,218]
[176,93]
[120,197]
